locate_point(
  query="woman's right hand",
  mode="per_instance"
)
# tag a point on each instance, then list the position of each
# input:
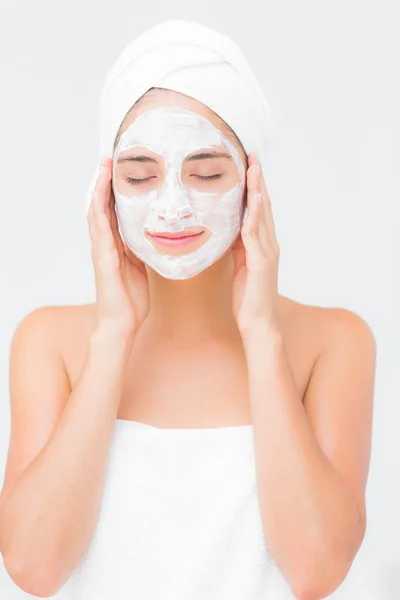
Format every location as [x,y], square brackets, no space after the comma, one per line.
[122,293]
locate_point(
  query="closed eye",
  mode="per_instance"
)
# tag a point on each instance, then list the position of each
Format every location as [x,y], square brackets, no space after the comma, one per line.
[209,177]
[137,181]
[133,181]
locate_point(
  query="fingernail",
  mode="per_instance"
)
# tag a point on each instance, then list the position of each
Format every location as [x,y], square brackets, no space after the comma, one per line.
[258,170]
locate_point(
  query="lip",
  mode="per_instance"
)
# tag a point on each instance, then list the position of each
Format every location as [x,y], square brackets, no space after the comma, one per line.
[174,239]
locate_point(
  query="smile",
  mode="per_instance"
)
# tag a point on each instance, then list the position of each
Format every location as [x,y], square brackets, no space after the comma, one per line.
[174,239]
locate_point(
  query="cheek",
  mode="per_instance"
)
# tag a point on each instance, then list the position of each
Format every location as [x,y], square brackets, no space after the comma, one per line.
[221,222]
[221,212]
[133,212]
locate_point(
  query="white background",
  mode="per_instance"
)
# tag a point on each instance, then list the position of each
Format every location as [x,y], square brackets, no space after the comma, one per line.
[330,72]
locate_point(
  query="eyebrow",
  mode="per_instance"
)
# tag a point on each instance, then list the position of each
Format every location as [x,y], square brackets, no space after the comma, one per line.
[140,158]
[213,154]
[199,156]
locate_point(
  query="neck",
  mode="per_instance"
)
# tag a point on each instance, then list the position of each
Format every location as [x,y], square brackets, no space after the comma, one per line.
[197,307]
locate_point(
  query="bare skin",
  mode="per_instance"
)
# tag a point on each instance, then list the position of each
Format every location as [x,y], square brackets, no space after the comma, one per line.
[187,366]
[171,397]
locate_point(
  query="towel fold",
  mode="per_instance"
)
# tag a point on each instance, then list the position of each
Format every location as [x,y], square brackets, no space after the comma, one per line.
[195,60]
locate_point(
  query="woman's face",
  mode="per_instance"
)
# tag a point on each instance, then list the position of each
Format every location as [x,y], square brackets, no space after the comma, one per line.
[179,185]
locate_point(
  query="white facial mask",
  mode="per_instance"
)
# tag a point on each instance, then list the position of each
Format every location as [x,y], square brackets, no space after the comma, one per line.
[174,133]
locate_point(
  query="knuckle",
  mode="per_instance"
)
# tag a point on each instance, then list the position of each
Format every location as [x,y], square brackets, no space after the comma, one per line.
[253,232]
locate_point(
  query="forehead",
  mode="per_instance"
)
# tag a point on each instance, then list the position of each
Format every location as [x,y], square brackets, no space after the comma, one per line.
[174,132]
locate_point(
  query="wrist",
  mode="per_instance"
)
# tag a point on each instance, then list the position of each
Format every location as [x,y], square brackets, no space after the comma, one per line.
[112,335]
[264,334]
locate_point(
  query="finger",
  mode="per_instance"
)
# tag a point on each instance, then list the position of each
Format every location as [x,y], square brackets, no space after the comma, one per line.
[263,232]
[113,213]
[103,185]
[252,159]
[92,225]
[114,226]
[249,179]
[256,183]
[252,181]
[269,218]
[251,235]
[238,254]
[105,236]
[254,191]
[109,190]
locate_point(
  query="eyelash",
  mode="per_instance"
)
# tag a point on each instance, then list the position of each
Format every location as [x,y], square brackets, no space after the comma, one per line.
[139,181]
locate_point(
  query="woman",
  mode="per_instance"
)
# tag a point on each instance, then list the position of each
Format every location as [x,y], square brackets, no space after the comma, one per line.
[193,433]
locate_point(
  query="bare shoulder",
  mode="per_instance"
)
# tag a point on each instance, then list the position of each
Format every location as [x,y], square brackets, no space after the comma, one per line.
[339,396]
[326,335]
[39,379]
[77,315]
[337,349]
[61,331]
[326,325]
[56,324]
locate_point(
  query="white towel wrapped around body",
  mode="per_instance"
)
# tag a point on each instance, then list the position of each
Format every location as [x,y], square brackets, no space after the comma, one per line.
[195,60]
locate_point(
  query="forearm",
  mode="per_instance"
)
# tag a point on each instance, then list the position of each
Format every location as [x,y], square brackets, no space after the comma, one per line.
[49,516]
[309,516]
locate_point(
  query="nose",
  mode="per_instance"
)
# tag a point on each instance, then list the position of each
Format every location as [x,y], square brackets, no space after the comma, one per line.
[173,204]
[173,214]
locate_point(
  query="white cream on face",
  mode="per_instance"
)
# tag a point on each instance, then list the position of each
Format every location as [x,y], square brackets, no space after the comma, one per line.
[174,133]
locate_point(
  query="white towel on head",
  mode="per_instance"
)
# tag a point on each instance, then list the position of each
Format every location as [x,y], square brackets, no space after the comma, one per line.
[195,60]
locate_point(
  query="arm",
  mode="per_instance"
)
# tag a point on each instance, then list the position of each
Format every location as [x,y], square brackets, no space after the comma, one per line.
[312,460]
[58,450]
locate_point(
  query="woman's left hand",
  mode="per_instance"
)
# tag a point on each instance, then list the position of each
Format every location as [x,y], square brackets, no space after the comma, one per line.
[256,259]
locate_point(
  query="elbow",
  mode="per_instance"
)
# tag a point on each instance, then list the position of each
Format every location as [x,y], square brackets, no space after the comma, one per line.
[319,587]
[308,593]
[319,577]
[42,582]
[38,575]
